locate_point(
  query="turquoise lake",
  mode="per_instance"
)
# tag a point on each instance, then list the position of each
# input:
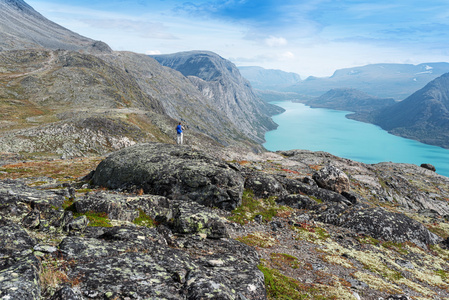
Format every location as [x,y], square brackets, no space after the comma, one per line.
[318,129]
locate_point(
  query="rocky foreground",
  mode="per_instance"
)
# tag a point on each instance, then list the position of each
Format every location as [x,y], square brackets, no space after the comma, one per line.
[159,221]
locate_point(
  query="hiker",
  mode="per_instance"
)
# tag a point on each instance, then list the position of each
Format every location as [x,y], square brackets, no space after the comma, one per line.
[179,130]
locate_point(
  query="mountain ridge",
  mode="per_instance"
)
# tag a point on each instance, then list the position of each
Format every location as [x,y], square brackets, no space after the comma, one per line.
[423,116]
[220,81]
[22,27]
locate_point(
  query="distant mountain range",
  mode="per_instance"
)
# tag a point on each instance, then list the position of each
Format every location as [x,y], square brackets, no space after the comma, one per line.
[349,100]
[374,93]
[423,116]
[396,81]
[269,79]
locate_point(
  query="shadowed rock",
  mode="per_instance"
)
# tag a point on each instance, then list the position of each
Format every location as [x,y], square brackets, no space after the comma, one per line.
[175,172]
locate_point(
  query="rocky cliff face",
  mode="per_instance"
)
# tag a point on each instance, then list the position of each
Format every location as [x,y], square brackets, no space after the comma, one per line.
[424,116]
[297,224]
[226,90]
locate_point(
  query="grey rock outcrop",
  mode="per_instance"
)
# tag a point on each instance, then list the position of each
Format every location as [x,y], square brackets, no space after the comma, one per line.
[379,224]
[132,262]
[176,172]
[332,178]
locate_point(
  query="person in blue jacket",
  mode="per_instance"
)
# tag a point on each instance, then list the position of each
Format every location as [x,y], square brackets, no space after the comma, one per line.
[179,133]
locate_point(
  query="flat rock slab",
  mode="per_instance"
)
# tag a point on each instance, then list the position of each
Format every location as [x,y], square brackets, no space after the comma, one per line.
[136,263]
[176,172]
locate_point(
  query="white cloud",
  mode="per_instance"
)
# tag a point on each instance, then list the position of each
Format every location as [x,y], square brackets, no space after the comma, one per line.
[288,55]
[153,52]
[273,41]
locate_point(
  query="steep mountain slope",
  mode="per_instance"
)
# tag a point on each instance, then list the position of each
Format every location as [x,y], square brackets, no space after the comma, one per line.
[220,81]
[95,100]
[423,116]
[396,81]
[267,79]
[21,27]
[350,100]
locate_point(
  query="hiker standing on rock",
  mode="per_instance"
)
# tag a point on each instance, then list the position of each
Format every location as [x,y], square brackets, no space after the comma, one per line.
[179,132]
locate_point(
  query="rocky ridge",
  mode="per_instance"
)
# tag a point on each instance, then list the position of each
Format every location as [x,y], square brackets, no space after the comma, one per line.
[221,83]
[21,27]
[327,226]
[113,100]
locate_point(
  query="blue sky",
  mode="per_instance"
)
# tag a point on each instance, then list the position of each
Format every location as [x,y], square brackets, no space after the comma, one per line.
[309,37]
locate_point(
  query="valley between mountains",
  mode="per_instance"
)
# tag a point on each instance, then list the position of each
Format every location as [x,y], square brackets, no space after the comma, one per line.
[98,202]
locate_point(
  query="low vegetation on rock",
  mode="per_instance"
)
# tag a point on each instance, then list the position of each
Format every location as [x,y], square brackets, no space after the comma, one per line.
[65,236]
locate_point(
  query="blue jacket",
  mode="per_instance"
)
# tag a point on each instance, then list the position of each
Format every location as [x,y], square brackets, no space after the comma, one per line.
[179,129]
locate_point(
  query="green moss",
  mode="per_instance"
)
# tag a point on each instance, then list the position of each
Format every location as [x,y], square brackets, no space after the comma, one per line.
[316,199]
[283,260]
[281,287]
[252,207]
[83,191]
[144,220]
[398,247]
[443,274]
[96,219]
[368,240]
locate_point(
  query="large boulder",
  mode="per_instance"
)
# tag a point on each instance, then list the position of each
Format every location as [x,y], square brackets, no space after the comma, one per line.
[333,179]
[380,224]
[176,172]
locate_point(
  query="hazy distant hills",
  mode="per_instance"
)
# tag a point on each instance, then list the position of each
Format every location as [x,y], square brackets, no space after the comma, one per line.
[221,83]
[21,27]
[396,81]
[349,100]
[269,79]
[423,116]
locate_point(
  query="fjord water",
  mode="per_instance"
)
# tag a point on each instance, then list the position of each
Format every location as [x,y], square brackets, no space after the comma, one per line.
[318,129]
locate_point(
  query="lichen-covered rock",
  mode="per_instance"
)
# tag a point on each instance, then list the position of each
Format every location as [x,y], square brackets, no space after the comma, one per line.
[114,205]
[176,172]
[298,201]
[264,185]
[136,262]
[19,278]
[66,293]
[293,186]
[78,224]
[192,218]
[14,239]
[332,179]
[380,224]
